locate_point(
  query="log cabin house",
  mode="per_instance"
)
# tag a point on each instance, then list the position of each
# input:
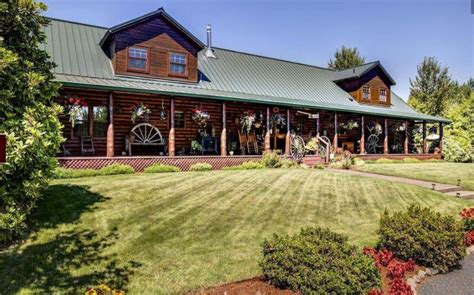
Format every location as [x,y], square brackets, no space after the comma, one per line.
[148,91]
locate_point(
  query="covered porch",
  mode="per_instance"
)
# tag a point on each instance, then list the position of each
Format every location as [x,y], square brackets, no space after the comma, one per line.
[179,127]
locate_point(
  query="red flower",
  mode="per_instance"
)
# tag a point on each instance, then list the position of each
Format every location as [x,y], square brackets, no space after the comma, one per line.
[71,100]
[385,256]
[399,287]
[467,213]
[396,269]
[375,292]
[469,238]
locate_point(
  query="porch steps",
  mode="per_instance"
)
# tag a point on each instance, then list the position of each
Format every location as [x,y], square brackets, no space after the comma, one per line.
[462,194]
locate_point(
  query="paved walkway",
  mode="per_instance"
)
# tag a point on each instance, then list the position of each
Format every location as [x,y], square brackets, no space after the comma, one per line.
[459,282]
[440,187]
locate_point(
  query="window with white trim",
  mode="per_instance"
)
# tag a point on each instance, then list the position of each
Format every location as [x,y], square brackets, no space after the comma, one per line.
[178,63]
[137,58]
[383,94]
[366,92]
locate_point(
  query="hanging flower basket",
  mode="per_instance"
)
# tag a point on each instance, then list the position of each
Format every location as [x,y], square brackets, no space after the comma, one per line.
[200,116]
[247,121]
[73,107]
[374,128]
[140,111]
[350,125]
[278,121]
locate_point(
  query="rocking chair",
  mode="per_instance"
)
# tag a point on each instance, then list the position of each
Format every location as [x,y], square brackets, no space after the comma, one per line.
[252,143]
[87,145]
[244,145]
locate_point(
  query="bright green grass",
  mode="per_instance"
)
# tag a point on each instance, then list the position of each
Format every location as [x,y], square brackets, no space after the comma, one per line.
[173,232]
[443,172]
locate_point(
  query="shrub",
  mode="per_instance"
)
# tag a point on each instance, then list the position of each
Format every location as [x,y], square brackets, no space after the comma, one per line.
[431,239]
[288,163]
[28,114]
[411,160]
[200,167]
[453,152]
[249,165]
[161,168]
[318,166]
[359,162]
[61,173]
[117,168]
[271,160]
[318,261]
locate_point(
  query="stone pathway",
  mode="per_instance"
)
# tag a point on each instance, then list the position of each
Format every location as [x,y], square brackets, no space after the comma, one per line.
[452,190]
[459,281]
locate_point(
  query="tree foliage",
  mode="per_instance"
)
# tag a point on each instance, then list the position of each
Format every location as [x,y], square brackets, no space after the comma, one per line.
[431,90]
[28,114]
[346,58]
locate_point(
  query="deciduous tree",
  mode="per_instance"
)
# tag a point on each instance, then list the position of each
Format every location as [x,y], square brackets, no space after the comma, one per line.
[28,114]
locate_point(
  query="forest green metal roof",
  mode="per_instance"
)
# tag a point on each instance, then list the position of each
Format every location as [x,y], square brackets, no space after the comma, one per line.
[359,71]
[233,75]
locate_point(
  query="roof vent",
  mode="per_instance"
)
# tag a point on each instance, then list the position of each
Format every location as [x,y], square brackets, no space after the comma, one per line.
[209,50]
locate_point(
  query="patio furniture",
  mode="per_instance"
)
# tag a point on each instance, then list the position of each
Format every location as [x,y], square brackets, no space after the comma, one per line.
[252,145]
[244,145]
[372,144]
[145,134]
[87,145]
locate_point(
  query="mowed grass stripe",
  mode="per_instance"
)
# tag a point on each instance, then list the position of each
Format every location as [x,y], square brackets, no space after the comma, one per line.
[193,230]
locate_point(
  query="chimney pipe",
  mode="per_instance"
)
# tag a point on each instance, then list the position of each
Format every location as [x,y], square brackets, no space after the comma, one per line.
[209,50]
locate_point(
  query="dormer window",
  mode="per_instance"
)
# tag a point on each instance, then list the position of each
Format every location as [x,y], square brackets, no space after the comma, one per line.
[138,59]
[178,64]
[383,94]
[366,92]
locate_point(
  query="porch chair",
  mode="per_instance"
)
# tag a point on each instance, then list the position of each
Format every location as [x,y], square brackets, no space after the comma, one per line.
[252,143]
[87,145]
[244,144]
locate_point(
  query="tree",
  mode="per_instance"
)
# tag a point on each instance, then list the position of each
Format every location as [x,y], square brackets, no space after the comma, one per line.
[28,114]
[346,58]
[432,89]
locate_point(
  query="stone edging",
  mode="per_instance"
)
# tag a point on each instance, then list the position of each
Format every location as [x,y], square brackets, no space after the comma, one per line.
[415,280]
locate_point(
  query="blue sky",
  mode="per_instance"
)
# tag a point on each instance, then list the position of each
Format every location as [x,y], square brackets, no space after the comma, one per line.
[398,33]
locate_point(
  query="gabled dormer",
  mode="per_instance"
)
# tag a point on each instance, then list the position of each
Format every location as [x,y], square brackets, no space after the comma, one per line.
[154,45]
[368,84]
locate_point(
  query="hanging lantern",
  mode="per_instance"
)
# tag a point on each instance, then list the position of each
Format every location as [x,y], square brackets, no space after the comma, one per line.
[162,111]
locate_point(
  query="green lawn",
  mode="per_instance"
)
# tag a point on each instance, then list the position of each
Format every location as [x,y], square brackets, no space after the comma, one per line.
[443,172]
[169,233]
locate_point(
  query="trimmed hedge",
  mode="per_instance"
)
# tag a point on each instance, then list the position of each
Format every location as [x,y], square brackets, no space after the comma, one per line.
[431,239]
[200,167]
[161,168]
[114,169]
[318,261]
[249,165]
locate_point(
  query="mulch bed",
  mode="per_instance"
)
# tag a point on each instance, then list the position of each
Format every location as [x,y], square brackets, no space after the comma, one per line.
[246,287]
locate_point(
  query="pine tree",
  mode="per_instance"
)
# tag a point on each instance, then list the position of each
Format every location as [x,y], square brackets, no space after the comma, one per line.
[346,58]
[28,114]
[432,89]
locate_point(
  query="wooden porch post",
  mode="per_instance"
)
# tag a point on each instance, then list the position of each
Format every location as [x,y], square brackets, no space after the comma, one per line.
[267,131]
[441,133]
[110,128]
[287,138]
[385,140]
[224,132]
[405,143]
[171,141]
[334,143]
[317,125]
[425,150]
[362,136]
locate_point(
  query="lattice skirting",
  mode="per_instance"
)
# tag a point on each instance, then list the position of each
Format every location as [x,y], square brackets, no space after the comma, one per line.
[140,163]
[399,156]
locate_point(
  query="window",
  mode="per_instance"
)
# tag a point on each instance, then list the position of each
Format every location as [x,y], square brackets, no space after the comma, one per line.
[138,59]
[366,92]
[383,94]
[178,119]
[81,125]
[99,126]
[177,63]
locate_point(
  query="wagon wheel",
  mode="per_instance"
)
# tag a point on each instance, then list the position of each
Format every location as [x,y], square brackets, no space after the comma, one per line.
[372,144]
[296,147]
[146,133]
[322,147]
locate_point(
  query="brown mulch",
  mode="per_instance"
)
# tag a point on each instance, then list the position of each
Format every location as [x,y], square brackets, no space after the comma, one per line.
[246,287]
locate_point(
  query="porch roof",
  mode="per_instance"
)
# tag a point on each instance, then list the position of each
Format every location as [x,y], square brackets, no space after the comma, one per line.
[237,76]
